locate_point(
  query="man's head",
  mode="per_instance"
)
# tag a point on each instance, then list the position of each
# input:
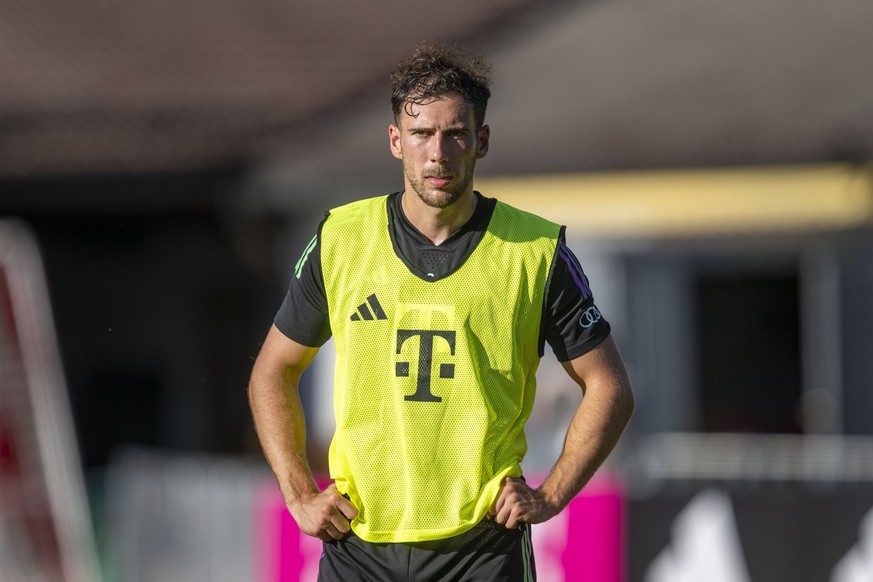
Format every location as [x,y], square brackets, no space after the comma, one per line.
[436,71]
[439,102]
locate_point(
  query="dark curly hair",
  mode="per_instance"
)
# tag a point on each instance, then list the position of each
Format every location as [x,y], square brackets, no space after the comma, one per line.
[434,71]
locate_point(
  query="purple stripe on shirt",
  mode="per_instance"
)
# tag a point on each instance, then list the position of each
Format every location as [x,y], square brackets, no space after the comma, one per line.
[575,270]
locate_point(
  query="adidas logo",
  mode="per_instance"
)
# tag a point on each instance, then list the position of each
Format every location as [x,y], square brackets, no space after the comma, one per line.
[364,310]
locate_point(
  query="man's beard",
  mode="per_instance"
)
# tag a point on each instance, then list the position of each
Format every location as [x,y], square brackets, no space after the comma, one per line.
[441,198]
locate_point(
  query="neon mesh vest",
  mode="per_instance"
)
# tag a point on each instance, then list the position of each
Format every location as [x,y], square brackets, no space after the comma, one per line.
[434,380]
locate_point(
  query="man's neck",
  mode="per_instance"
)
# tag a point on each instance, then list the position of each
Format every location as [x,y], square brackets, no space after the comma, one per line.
[437,224]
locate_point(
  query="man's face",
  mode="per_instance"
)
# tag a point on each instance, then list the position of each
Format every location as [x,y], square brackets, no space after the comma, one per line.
[439,146]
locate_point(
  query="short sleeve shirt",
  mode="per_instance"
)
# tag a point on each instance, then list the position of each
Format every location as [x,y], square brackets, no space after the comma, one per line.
[572,324]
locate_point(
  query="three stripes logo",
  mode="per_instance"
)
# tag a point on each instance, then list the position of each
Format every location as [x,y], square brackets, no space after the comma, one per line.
[369,310]
[298,268]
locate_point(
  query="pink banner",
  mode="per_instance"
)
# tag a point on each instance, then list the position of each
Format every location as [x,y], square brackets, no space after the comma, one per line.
[583,542]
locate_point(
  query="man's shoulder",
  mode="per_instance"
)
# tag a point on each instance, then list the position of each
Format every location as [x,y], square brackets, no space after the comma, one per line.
[360,205]
[517,217]
[358,211]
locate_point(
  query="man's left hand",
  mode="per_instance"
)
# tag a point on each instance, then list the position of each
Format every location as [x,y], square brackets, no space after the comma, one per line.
[517,503]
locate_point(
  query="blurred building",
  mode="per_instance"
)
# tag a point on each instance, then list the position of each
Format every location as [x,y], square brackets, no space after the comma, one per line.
[127,136]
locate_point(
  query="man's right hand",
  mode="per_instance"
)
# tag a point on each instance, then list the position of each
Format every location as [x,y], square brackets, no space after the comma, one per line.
[324,515]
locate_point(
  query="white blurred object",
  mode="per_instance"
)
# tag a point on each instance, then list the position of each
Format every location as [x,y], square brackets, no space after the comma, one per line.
[45,526]
[182,516]
[704,544]
[857,564]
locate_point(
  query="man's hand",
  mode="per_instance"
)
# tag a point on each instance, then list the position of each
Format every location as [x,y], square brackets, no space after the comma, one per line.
[324,515]
[517,503]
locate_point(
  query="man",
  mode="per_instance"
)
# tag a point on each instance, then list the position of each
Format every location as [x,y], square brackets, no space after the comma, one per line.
[440,301]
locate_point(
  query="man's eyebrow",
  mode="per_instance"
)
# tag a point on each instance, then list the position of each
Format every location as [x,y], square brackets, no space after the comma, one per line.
[453,129]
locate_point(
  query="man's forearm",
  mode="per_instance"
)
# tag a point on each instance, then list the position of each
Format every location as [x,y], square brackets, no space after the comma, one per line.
[593,433]
[281,429]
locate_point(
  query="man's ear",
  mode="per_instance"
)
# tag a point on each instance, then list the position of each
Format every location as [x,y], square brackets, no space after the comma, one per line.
[394,141]
[482,142]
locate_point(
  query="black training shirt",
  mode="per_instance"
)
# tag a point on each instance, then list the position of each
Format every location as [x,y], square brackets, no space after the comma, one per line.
[572,325]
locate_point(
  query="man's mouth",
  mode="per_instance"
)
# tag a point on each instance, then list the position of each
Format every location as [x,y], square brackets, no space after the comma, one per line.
[438,181]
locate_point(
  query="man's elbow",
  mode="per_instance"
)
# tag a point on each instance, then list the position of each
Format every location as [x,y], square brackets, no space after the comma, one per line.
[261,380]
[626,403]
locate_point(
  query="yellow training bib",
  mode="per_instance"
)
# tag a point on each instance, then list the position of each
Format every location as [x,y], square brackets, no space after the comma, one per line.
[434,380]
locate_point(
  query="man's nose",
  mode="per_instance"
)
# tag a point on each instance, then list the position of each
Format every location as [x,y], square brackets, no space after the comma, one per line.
[439,147]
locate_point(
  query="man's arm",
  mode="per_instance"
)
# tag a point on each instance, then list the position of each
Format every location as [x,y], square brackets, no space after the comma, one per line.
[602,415]
[281,428]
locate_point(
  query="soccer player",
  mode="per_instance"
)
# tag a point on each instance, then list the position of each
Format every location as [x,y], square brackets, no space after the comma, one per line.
[440,302]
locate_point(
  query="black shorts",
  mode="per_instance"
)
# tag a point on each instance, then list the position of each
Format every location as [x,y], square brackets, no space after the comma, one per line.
[488,552]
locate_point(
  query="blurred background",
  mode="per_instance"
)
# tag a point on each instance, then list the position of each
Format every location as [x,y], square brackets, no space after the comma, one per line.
[163,165]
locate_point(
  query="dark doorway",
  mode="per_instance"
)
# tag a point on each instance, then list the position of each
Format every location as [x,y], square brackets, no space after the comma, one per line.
[749,352]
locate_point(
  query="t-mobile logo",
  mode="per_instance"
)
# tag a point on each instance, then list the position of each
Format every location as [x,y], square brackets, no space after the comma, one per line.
[425,361]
